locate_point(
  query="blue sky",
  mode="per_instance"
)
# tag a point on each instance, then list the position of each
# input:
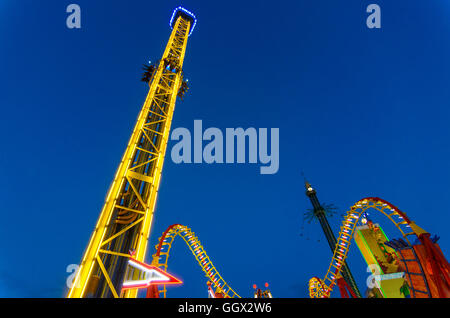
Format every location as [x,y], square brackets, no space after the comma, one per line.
[361,112]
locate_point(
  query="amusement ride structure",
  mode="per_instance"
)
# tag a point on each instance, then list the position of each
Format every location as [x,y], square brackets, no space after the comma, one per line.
[320,214]
[126,218]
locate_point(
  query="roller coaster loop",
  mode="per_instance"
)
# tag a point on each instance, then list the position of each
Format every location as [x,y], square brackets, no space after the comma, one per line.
[161,258]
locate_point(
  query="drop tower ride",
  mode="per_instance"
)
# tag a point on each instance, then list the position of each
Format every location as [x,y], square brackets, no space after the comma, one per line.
[125,221]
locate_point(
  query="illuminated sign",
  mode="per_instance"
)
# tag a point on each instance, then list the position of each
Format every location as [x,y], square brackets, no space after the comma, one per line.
[141,275]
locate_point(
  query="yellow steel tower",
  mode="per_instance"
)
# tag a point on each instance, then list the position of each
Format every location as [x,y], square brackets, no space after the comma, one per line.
[125,220]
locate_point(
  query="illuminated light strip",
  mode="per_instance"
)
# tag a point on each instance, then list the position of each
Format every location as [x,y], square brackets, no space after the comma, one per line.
[141,283]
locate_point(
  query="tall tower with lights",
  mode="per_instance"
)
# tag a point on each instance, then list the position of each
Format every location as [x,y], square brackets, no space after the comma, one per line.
[320,214]
[125,221]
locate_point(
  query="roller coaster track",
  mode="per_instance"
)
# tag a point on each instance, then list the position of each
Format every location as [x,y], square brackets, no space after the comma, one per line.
[161,257]
[321,288]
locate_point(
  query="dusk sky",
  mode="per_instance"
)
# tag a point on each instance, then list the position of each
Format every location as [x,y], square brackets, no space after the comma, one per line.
[361,112]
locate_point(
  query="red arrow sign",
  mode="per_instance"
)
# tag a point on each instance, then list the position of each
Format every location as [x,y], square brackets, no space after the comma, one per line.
[141,275]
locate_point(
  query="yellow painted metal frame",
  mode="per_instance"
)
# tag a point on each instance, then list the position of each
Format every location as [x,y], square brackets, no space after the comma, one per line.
[321,288]
[127,214]
[200,255]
